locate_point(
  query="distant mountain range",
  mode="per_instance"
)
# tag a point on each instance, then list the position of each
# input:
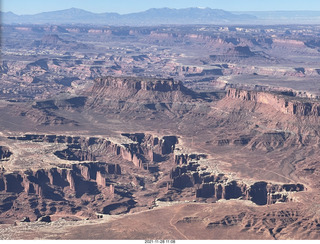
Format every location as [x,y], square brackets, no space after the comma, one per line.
[149,17]
[162,16]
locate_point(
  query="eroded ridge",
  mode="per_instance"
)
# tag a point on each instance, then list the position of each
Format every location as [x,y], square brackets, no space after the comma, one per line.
[137,83]
[77,190]
[113,176]
[285,102]
[191,174]
[140,149]
[85,184]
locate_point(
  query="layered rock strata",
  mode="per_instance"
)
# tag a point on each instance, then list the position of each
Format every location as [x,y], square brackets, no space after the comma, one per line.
[96,186]
[49,183]
[84,188]
[71,190]
[142,149]
[283,103]
[189,173]
[137,83]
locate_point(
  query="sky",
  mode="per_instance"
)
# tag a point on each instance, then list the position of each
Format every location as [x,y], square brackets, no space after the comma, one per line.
[131,6]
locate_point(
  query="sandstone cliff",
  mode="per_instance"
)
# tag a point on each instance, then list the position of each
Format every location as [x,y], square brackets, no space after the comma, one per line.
[86,188]
[137,83]
[143,150]
[285,104]
[64,190]
[88,183]
[44,182]
[133,89]
[190,174]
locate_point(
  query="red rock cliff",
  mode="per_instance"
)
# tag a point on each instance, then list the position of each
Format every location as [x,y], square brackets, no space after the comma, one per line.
[284,104]
[136,83]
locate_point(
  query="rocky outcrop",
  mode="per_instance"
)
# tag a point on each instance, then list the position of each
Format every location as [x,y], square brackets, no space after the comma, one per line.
[96,180]
[270,141]
[220,186]
[44,112]
[119,208]
[144,150]
[186,158]
[51,40]
[68,189]
[136,95]
[67,104]
[46,117]
[283,103]
[5,153]
[137,83]
[46,219]
[271,222]
[148,149]
[164,145]
[125,91]
[206,72]
[85,187]
[79,178]
[242,51]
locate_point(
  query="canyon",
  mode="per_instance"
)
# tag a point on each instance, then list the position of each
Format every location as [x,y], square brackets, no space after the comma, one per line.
[196,132]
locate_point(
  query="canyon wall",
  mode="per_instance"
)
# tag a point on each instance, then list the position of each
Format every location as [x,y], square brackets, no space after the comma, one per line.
[190,173]
[51,183]
[141,149]
[95,186]
[185,158]
[136,83]
[283,103]
[87,184]
[137,93]
[79,190]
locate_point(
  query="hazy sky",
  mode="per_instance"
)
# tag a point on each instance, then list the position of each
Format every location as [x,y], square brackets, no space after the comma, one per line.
[129,6]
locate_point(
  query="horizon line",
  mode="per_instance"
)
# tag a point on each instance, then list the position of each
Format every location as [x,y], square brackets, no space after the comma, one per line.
[242,11]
